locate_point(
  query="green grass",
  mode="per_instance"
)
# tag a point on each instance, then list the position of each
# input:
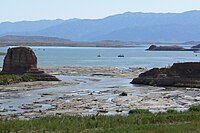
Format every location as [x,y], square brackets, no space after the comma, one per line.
[10,79]
[139,121]
[195,108]
[139,111]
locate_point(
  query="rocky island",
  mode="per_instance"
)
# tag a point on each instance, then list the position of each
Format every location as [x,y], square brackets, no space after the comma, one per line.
[167,48]
[196,46]
[178,75]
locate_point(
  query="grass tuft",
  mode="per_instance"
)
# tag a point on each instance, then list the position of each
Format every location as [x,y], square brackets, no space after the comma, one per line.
[195,108]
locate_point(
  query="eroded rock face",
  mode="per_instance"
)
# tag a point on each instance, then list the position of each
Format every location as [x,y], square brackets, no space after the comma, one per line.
[180,74]
[20,60]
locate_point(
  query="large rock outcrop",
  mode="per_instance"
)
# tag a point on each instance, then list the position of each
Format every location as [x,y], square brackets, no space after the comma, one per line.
[180,74]
[167,48]
[22,60]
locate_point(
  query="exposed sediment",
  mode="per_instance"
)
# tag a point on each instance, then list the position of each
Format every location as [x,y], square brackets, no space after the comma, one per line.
[93,71]
[83,101]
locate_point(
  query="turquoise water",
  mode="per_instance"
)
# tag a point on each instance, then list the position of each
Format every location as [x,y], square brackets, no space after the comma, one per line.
[134,57]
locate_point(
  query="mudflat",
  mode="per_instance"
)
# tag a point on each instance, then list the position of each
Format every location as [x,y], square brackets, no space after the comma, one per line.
[91,91]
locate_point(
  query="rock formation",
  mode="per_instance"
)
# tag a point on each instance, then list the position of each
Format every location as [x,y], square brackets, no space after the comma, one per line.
[22,60]
[166,48]
[197,47]
[180,74]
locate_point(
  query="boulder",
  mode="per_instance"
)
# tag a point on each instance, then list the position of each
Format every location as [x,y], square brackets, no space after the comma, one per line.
[180,74]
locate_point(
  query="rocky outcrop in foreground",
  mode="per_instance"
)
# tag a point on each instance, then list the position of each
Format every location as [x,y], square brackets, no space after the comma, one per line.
[22,60]
[179,75]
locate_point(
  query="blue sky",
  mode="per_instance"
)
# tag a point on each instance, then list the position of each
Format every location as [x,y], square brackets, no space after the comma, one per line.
[17,10]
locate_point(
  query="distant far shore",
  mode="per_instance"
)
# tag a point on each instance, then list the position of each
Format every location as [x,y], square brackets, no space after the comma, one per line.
[89,44]
[12,40]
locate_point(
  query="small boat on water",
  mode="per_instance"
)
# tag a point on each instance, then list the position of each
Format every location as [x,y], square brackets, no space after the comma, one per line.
[121,55]
[98,55]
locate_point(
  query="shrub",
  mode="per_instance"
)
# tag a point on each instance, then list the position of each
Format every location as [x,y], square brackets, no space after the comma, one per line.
[139,111]
[123,94]
[171,111]
[195,108]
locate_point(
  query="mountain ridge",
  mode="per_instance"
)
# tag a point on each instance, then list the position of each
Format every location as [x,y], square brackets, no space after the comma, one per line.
[137,26]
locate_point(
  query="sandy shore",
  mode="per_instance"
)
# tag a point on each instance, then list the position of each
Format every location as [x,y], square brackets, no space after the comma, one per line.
[91,90]
[94,71]
[27,86]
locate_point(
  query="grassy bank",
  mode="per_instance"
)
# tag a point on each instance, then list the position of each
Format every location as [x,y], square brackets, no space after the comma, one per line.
[138,121]
[6,79]
[10,79]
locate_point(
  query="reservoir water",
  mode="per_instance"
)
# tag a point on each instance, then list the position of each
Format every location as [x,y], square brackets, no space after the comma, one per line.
[88,56]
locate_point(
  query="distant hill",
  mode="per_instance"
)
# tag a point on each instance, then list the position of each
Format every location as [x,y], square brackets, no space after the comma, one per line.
[137,27]
[31,39]
[24,27]
[13,40]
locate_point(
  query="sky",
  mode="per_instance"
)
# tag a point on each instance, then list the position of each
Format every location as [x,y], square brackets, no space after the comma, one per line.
[18,10]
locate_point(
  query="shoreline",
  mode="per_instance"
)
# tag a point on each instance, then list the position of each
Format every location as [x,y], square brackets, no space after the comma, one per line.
[91,91]
[94,71]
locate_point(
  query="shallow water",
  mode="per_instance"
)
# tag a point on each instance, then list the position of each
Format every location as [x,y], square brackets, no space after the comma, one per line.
[102,88]
[15,100]
[134,57]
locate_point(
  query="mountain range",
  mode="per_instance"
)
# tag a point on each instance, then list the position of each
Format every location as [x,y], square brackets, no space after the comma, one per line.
[137,27]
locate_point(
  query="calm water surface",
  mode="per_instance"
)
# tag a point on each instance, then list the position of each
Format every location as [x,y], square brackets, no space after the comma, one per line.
[134,57]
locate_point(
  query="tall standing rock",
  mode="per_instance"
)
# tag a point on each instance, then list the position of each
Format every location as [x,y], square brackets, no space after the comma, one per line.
[20,60]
